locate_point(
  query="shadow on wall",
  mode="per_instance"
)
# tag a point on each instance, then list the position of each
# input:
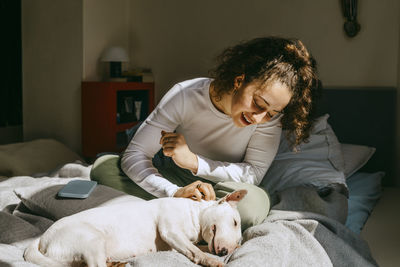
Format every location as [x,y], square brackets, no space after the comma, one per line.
[11,134]
[365,116]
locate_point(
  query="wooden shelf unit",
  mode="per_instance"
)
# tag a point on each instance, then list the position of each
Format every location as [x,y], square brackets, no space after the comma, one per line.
[100,125]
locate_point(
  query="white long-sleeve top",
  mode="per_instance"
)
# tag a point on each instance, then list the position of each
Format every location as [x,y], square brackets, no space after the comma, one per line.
[224,151]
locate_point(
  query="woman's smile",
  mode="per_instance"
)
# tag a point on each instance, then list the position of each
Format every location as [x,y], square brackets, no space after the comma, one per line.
[254,103]
[246,121]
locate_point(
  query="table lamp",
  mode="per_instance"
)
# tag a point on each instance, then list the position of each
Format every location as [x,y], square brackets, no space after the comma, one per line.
[115,55]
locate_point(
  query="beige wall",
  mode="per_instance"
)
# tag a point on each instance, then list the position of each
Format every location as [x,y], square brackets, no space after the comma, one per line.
[52,70]
[178,38]
[62,43]
[105,24]
[63,40]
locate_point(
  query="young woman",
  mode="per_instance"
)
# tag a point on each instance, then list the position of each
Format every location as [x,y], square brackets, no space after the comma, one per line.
[225,128]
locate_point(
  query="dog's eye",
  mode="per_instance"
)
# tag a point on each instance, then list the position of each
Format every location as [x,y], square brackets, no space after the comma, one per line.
[235,222]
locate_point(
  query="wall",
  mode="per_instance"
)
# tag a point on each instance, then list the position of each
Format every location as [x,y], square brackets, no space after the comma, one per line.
[179,39]
[52,70]
[62,42]
[105,24]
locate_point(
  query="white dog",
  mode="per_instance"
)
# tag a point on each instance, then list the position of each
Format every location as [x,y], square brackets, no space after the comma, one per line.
[119,232]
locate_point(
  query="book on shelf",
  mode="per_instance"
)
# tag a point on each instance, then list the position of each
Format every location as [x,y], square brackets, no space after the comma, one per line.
[139,75]
[118,79]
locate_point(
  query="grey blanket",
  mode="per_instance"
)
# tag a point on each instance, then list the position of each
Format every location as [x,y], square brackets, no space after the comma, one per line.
[289,238]
[286,238]
[302,229]
[306,237]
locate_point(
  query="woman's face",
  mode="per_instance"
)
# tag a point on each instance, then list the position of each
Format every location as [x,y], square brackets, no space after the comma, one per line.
[256,103]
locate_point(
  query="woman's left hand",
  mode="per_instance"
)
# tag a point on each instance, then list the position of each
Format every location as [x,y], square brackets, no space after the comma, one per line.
[174,146]
[196,191]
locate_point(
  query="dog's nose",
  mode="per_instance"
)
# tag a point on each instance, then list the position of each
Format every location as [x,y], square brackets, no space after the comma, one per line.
[223,252]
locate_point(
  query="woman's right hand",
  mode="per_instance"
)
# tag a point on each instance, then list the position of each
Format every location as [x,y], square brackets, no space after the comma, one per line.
[196,191]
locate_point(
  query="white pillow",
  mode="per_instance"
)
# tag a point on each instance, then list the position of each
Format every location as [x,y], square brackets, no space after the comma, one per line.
[318,162]
[355,157]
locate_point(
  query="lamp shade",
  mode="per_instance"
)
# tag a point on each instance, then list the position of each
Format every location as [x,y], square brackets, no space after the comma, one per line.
[115,54]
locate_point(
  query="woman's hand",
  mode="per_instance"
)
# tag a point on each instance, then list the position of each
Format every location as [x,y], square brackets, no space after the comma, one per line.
[174,146]
[196,191]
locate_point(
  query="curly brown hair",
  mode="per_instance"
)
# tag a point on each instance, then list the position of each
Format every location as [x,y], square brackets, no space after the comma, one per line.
[279,59]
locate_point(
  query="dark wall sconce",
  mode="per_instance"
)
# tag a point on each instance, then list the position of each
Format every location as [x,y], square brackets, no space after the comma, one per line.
[351,26]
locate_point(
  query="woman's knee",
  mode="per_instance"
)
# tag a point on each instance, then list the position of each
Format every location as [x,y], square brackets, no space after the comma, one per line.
[107,171]
[253,208]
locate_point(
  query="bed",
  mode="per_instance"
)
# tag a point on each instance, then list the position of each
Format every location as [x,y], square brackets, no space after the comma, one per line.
[375,127]
[311,222]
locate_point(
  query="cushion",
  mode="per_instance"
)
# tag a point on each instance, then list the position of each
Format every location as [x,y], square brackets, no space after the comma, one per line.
[43,200]
[14,229]
[253,208]
[36,156]
[8,198]
[355,157]
[318,162]
[364,192]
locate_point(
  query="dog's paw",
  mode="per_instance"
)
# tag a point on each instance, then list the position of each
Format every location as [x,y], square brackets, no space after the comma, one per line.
[211,262]
[116,264]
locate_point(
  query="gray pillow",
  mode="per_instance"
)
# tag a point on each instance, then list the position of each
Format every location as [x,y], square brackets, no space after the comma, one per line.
[14,229]
[355,157]
[36,156]
[44,201]
[318,162]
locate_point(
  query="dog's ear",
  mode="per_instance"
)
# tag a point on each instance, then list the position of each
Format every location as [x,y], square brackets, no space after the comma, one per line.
[234,197]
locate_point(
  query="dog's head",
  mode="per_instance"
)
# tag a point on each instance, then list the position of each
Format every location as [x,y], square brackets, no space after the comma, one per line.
[220,224]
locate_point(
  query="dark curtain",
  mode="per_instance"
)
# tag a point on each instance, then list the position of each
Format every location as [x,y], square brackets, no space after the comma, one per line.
[10,63]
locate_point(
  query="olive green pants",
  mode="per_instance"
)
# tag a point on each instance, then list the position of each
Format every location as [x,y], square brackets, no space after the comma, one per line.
[253,208]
